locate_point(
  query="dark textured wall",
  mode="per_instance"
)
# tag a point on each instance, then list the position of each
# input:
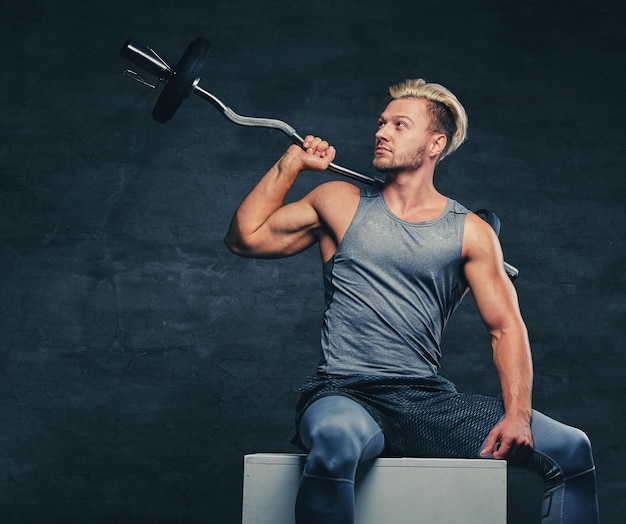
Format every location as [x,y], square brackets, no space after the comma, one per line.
[139,360]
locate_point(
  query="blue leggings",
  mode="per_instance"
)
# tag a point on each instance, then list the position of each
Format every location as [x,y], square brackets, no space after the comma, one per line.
[339,433]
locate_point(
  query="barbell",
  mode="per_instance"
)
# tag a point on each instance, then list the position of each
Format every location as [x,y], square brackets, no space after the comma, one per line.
[183,78]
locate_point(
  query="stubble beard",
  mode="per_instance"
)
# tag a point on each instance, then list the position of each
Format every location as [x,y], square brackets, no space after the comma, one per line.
[408,162]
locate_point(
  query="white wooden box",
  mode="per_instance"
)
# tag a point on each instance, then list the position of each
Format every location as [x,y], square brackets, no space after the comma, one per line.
[387,490]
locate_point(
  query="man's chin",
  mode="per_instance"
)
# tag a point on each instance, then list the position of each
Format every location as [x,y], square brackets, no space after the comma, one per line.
[384,168]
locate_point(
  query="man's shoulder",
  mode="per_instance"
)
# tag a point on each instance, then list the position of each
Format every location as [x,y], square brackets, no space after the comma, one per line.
[335,190]
[478,234]
[335,203]
[335,198]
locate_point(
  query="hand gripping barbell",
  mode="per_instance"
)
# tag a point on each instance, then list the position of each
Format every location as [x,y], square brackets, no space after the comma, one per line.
[183,79]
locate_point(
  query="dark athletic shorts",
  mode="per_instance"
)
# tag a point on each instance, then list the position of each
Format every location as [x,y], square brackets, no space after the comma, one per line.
[419,416]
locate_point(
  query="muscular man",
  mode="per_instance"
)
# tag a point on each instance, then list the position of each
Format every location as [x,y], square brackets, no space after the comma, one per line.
[397,258]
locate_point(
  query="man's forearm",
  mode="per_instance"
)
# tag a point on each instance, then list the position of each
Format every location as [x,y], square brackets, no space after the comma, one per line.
[513,361]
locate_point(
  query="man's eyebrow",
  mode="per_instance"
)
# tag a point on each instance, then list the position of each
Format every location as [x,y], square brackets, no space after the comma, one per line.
[400,116]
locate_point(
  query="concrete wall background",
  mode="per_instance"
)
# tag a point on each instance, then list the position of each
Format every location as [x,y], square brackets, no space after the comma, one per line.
[139,360]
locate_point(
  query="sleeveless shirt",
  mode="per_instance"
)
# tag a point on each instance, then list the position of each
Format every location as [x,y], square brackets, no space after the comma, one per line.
[389,291]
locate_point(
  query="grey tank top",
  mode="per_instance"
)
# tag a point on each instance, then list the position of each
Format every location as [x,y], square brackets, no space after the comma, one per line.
[389,290]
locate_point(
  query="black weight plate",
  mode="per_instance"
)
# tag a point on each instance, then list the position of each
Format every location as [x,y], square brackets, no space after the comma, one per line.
[180,85]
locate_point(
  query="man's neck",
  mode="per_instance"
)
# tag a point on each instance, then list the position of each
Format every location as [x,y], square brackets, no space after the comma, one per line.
[412,196]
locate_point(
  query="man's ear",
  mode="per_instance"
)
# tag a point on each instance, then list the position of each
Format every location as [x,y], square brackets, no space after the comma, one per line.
[438,144]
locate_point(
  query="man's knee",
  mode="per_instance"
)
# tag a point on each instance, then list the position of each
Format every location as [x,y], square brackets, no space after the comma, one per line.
[339,433]
[566,447]
[576,453]
[335,451]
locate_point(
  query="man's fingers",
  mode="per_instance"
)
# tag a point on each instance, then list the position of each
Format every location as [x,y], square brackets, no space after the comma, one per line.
[490,444]
[502,450]
[501,447]
[316,146]
[314,154]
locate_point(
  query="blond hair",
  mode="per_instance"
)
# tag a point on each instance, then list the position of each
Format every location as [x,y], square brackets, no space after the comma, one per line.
[447,114]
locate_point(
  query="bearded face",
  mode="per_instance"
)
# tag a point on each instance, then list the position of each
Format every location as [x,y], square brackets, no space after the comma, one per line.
[402,161]
[403,136]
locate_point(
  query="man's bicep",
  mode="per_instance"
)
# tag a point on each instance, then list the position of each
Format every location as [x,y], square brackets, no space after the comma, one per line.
[289,230]
[485,275]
